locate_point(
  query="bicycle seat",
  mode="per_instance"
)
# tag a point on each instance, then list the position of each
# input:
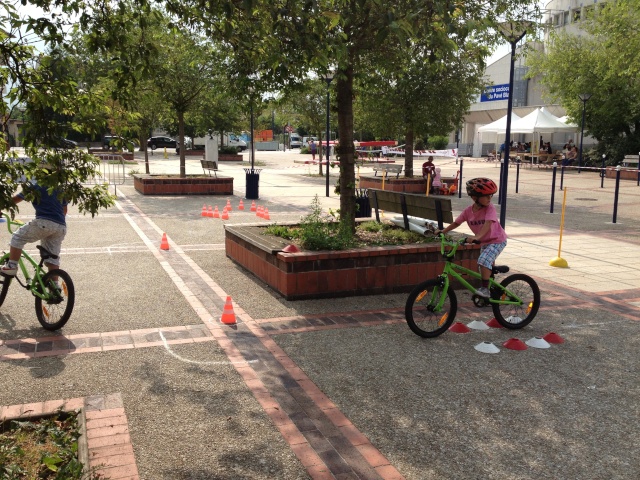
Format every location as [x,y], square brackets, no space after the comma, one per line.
[44,253]
[500,269]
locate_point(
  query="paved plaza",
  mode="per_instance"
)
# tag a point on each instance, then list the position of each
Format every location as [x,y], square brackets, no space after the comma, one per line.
[340,388]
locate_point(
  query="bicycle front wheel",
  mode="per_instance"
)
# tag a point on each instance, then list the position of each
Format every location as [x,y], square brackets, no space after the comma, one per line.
[519,315]
[54,311]
[6,281]
[422,313]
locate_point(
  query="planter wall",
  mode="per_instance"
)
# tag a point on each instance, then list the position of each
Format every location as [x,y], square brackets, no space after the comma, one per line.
[190,185]
[625,173]
[330,274]
[229,157]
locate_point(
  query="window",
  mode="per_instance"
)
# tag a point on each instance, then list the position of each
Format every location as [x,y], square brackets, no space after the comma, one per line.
[576,15]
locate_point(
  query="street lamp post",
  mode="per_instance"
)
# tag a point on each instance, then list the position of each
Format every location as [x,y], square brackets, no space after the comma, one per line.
[328,77]
[513,32]
[585,98]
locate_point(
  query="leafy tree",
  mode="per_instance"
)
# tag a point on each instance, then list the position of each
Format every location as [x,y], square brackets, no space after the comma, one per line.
[606,64]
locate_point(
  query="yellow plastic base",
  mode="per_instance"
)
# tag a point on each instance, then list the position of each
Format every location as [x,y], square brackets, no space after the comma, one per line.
[559,262]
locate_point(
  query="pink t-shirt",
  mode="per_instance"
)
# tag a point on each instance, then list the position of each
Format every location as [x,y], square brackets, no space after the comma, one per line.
[476,221]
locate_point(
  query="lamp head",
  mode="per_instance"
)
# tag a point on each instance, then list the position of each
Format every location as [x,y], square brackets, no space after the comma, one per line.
[585,96]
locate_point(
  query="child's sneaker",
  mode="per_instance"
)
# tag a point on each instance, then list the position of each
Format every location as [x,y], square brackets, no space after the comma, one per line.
[9,269]
[483,292]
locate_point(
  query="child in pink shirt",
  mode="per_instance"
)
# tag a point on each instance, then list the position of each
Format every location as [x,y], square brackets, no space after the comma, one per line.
[483,221]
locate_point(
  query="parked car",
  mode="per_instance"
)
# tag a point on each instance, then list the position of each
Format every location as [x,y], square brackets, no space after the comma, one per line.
[162,142]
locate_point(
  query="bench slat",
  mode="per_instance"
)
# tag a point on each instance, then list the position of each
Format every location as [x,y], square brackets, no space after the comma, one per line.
[417,205]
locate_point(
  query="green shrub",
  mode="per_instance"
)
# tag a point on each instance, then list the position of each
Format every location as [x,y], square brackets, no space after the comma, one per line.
[227,150]
[305,150]
[438,142]
[419,145]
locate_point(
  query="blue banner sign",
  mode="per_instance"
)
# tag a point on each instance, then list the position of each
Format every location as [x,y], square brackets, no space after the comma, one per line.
[495,92]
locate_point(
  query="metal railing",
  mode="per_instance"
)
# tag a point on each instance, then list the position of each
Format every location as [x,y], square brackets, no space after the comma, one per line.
[111,170]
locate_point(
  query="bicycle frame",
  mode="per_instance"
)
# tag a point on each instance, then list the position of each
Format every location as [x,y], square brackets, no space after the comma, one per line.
[456,271]
[32,282]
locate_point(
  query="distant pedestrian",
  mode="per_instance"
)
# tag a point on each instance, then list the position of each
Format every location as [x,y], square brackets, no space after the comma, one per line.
[428,172]
[314,149]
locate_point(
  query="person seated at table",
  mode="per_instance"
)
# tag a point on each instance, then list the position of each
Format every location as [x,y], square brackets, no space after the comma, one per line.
[501,149]
[570,157]
[547,148]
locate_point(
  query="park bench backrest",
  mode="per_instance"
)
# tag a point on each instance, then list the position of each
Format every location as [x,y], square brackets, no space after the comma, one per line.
[630,160]
[389,168]
[433,207]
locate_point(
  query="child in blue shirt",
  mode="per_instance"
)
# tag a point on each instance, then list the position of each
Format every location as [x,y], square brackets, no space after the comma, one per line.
[49,227]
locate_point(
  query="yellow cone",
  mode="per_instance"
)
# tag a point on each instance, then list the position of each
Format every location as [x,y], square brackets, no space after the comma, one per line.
[558,262]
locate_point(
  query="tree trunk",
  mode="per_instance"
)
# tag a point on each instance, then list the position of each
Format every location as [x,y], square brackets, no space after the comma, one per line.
[408,153]
[346,150]
[143,142]
[183,168]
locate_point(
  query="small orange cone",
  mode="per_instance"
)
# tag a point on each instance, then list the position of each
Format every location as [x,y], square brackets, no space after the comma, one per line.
[253,205]
[225,214]
[265,214]
[204,211]
[164,244]
[210,212]
[216,213]
[229,207]
[259,211]
[241,205]
[228,316]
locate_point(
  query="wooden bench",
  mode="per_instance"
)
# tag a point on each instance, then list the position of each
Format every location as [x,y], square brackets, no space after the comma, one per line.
[209,166]
[388,168]
[630,161]
[417,205]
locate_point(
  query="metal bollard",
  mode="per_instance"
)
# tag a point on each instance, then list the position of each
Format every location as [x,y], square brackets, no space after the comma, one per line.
[460,178]
[561,176]
[638,183]
[615,195]
[517,174]
[502,185]
[553,185]
[602,172]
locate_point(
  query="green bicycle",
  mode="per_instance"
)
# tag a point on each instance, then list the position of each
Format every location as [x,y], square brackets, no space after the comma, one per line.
[432,306]
[53,291]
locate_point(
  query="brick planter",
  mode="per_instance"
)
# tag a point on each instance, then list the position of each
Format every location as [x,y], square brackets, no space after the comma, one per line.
[625,173]
[189,185]
[229,157]
[402,184]
[330,274]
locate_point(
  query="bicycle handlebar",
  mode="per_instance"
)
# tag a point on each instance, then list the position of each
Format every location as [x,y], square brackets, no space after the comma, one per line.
[453,244]
[11,223]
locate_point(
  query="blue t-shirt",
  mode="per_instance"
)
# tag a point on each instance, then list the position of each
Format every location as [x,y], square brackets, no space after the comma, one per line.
[49,207]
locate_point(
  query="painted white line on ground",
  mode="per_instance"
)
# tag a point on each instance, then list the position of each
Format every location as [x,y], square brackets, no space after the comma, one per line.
[587,325]
[197,362]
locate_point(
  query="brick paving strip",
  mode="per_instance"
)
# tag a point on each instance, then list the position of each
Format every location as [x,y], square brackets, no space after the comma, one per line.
[106,431]
[327,444]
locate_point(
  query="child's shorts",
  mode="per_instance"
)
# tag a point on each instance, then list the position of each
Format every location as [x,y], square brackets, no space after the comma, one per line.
[49,233]
[489,253]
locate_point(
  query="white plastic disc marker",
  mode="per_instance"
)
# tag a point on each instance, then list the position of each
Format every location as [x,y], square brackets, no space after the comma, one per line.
[538,342]
[477,325]
[487,347]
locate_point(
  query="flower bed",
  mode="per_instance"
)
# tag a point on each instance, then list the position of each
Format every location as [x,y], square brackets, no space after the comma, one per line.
[342,273]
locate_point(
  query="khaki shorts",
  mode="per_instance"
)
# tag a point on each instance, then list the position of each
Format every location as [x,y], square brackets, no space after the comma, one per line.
[49,233]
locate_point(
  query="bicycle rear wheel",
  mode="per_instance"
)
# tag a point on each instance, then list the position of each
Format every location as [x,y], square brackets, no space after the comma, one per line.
[54,312]
[5,281]
[422,314]
[517,316]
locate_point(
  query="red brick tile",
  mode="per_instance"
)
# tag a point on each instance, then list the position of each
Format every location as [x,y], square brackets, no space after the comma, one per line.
[111,430]
[117,460]
[120,473]
[109,440]
[111,450]
[12,411]
[307,456]
[32,409]
[74,403]
[106,422]
[372,455]
[320,472]
[291,434]
[278,417]
[354,435]
[51,406]
[337,417]
[389,472]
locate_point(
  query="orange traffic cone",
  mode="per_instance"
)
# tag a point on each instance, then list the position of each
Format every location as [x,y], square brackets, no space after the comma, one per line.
[216,213]
[210,212]
[228,316]
[253,205]
[265,214]
[259,211]
[225,214]
[241,205]
[164,244]
[204,211]
[229,207]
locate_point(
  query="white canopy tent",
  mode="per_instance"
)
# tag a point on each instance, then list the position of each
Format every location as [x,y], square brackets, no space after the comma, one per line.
[490,131]
[538,122]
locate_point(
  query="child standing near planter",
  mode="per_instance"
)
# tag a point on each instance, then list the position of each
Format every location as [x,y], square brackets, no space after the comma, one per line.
[482,219]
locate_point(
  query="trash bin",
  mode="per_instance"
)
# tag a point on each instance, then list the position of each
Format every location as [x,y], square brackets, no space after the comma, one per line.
[253,180]
[363,209]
